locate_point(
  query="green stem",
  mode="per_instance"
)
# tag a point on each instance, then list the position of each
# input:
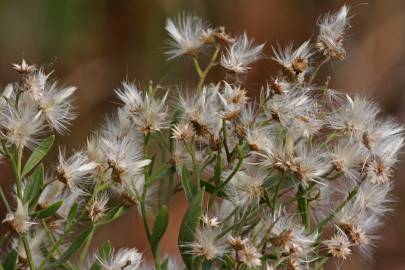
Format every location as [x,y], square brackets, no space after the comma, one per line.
[4,199]
[317,68]
[86,247]
[17,164]
[28,251]
[17,171]
[224,132]
[155,252]
[197,67]
[55,246]
[227,180]
[53,241]
[275,196]
[190,148]
[302,201]
[210,64]
[202,74]
[338,208]
[235,170]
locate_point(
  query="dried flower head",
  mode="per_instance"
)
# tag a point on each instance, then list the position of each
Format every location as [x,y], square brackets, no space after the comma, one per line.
[206,243]
[187,35]
[182,132]
[339,245]
[24,67]
[124,258]
[332,28]
[19,220]
[295,62]
[74,172]
[97,207]
[56,106]
[241,54]
[250,256]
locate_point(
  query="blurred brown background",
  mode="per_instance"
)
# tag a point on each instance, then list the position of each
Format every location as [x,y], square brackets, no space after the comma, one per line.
[94,45]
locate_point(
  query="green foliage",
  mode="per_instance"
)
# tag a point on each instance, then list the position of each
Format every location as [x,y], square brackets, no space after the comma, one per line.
[188,227]
[161,222]
[38,154]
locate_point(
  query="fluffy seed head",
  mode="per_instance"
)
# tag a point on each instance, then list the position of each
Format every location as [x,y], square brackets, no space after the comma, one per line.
[241,54]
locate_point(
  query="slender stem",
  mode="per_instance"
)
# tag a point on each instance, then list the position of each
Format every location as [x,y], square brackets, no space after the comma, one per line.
[4,199]
[53,241]
[229,178]
[16,161]
[156,258]
[155,252]
[55,246]
[17,171]
[235,170]
[197,66]
[224,131]
[338,208]
[210,64]
[28,251]
[317,68]
[86,247]
[190,148]
[275,196]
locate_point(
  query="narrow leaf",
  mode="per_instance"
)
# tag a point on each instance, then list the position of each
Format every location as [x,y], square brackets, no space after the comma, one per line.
[95,266]
[218,170]
[188,227]
[106,250]
[10,261]
[49,211]
[165,264]
[72,214]
[303,205]
[188,186]
[112,214]
[34,186]
[163,171]
[210,188]
[38,154]
[76,245]
[160,226]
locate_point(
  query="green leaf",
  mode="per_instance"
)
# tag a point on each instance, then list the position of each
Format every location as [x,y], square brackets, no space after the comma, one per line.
[165,264]
[218,170]
[112,214]
[72,214]
[210,188]
[303,205]
[163,171]
[49,211]
[106,250]
[188,186]
[34,186]
[151,164]
[10,261]
[159,228]
[38,154]
[188,227]
[105,253]
[76,245]
[95,266]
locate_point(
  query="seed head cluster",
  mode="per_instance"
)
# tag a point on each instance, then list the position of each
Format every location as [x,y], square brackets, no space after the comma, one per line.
[286,176]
